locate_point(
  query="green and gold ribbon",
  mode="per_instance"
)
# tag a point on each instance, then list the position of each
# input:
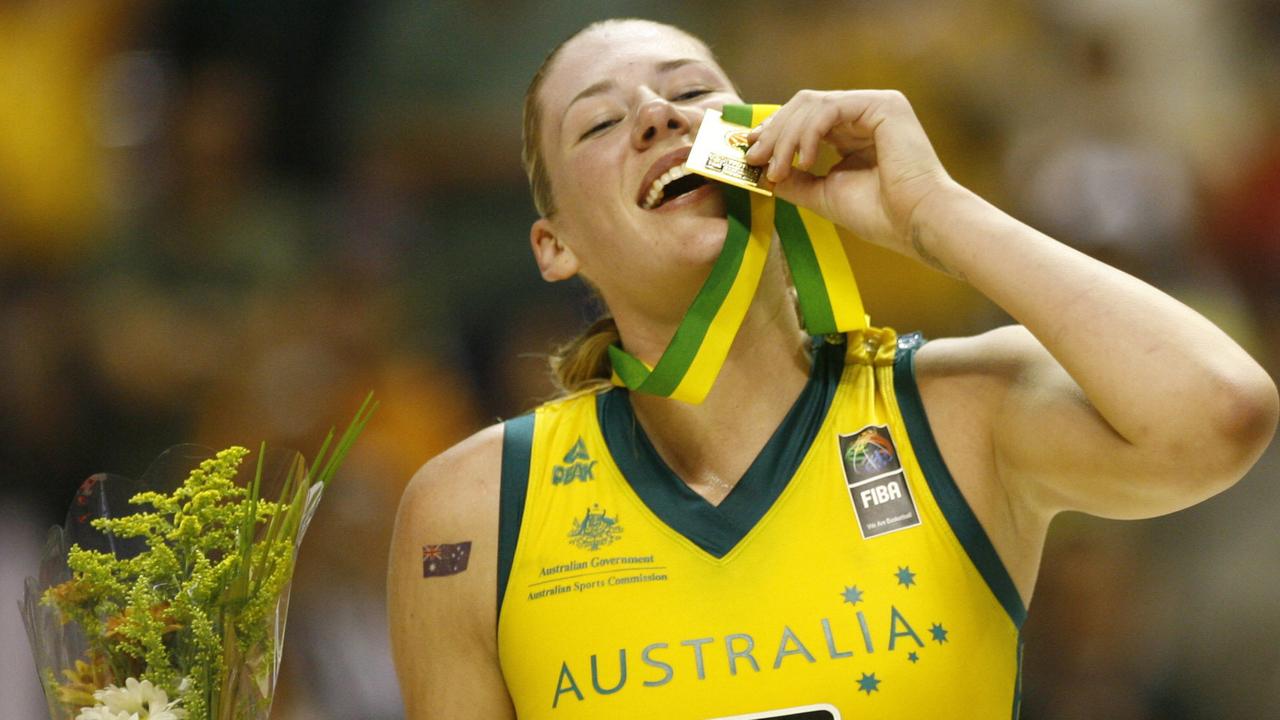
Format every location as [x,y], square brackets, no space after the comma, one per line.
[820,270]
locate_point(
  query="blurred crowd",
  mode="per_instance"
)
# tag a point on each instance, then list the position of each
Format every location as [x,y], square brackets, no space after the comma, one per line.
[226,221]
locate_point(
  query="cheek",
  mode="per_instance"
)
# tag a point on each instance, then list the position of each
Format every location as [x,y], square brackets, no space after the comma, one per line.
[590,218]
[593,183]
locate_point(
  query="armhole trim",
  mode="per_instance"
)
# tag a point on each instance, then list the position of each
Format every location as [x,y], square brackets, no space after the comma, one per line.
[517,454]
[954,507]
[1017,682]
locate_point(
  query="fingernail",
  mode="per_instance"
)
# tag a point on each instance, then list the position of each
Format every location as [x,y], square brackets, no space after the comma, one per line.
[772,172]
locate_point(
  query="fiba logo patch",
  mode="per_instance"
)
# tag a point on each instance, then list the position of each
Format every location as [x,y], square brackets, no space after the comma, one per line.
[877,484]
[871,452]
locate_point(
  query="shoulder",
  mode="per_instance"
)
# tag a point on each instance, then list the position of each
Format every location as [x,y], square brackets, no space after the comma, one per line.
[450,507]
[460,486]
[975,389]
[974,376]
[1004,354]
[966,385]
[962,382]
[453,500]
[984,375]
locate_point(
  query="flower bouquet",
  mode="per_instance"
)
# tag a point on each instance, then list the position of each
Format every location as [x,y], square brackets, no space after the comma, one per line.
[165,598]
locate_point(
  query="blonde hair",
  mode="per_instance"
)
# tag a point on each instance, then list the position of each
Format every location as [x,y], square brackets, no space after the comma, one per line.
[582,363]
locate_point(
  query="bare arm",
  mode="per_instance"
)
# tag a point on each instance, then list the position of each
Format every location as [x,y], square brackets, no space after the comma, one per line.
[1125,403]
[443,610]
[1116,399]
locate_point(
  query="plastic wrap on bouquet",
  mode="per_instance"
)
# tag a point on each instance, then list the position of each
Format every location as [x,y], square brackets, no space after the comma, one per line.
[165,598]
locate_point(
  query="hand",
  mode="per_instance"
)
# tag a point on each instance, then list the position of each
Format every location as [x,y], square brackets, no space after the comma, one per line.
[887,164]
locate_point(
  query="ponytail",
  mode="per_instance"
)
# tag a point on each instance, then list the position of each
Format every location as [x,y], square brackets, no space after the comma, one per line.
[583,363]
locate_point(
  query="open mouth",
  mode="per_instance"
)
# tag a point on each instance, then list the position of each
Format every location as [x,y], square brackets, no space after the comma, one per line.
[668,179]
[672,184]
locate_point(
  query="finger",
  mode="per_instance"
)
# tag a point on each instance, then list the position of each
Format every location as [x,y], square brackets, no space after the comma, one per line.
[846,141]
[761,139]
[761,146]
[800,188]
[768,132]
[790,130]
[817,123]
[801,140]
[784,150]
[757,130]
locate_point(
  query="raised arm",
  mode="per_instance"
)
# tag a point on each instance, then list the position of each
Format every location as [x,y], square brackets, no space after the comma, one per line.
[1116,399]
[442,585]
[1126,403]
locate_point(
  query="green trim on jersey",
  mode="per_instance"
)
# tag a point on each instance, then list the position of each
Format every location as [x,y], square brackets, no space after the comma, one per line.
[1017,682]
[517,453]
[957,511]
[718,528]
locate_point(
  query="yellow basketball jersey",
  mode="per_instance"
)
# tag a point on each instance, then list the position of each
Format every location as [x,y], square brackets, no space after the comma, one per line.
[843,577]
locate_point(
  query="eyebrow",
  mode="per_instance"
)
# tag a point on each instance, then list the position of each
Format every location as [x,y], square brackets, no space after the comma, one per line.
[603,86]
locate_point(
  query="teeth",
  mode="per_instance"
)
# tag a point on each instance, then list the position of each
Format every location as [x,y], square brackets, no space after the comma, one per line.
[655,190]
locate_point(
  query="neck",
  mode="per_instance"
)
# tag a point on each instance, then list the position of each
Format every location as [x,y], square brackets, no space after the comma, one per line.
[712,444]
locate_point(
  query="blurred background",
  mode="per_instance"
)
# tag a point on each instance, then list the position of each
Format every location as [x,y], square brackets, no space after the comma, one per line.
[223,221]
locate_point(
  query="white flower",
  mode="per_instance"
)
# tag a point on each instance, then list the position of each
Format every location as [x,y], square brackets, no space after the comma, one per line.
[135,701]
[101,712]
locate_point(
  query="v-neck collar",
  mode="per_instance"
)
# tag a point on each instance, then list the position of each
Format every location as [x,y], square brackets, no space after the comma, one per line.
[718,528]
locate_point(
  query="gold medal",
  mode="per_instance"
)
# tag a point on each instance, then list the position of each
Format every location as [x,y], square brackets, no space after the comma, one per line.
[719,152]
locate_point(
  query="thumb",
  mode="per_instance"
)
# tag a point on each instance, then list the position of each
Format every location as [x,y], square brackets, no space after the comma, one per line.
[801,188]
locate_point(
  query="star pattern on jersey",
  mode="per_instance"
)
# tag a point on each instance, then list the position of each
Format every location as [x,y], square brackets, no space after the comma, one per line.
[868,683]
[939,633]
[852,595]
[906,578]
[913,656]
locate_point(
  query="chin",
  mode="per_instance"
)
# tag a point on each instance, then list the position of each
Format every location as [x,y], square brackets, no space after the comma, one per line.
[704,246]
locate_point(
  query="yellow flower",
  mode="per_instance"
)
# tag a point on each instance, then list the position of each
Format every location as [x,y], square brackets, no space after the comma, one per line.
[188,527]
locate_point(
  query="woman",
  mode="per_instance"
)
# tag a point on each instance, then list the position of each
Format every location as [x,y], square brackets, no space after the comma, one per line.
[803,543]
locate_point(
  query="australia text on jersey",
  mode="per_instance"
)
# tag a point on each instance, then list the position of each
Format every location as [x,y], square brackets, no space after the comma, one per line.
[696,659]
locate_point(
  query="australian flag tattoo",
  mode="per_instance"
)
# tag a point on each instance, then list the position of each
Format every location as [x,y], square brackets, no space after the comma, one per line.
[446,559]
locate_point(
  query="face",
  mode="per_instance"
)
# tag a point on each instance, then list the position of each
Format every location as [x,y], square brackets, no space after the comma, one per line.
[621,105]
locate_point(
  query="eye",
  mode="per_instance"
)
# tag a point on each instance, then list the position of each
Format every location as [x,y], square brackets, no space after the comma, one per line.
[598,128]
[690,94]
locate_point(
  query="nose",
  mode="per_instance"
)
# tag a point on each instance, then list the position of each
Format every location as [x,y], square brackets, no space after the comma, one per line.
[657,120]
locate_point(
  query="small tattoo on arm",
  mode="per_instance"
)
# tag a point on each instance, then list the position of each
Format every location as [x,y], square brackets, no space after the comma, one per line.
[929,258]
[445,559]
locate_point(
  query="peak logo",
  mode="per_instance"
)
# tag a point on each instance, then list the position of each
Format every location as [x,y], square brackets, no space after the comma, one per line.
[577,465]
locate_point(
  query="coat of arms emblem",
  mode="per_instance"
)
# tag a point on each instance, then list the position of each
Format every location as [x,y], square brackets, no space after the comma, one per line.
[595,529]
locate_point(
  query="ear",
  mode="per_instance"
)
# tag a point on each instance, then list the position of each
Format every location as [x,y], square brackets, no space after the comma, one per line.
[555,260]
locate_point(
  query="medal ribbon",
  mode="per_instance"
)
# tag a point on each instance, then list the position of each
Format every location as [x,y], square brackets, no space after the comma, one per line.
[820,270]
